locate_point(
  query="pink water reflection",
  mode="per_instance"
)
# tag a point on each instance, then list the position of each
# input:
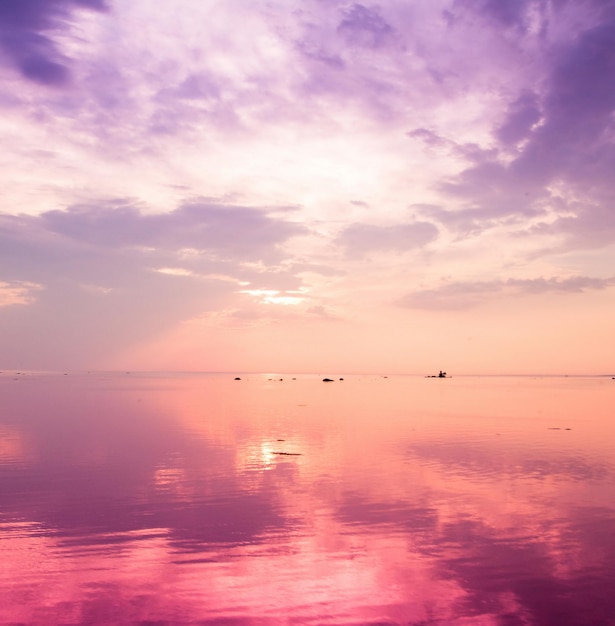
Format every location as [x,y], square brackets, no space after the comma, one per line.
[199,499]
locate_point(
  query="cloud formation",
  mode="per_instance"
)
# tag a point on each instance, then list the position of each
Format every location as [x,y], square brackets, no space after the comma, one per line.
[463,295]
[476,136]
[554,140]
[27,30]
[111,274]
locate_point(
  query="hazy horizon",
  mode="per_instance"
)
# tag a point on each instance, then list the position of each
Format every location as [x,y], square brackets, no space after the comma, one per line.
[318,373]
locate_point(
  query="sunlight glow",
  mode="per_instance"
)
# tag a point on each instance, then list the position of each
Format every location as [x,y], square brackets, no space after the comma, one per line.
[272,296]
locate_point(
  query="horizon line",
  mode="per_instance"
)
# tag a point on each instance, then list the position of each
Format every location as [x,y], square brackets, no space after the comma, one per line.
[127,371]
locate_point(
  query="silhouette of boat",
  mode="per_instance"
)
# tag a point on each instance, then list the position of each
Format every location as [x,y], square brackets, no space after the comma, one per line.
[441,374]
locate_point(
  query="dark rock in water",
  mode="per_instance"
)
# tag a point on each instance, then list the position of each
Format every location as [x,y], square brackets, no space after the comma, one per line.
[237,378]
[327,380]
[341,379]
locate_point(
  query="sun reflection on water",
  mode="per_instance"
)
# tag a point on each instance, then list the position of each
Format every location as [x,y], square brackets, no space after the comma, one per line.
[369,501]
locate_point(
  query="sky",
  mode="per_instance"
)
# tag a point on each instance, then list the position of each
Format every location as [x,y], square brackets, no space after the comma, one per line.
[317,186]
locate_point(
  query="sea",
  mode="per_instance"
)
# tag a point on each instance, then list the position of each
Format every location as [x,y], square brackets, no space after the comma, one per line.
[261,499]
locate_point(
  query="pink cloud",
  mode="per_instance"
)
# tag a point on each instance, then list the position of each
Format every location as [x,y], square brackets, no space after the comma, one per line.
[99,279]
[466,294]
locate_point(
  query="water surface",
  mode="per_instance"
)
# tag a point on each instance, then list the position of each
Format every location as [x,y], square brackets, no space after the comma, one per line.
[199,499]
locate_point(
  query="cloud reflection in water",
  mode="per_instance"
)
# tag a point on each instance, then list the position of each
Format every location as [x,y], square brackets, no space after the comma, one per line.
[197,498]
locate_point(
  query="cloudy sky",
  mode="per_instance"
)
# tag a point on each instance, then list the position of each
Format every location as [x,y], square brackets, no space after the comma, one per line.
[400,186]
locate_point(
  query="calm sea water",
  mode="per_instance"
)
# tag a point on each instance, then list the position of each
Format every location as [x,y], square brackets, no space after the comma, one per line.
[199,499]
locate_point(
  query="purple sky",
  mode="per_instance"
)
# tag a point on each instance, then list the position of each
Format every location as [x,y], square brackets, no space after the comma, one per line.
[402,185]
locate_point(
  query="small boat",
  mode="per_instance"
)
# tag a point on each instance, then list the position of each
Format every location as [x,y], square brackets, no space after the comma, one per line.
[440,375]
